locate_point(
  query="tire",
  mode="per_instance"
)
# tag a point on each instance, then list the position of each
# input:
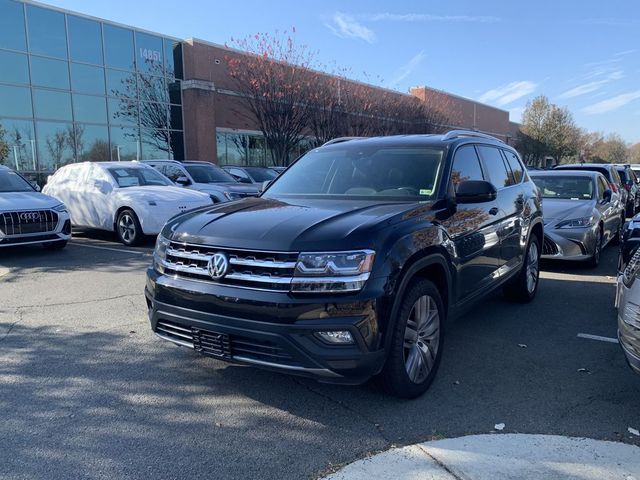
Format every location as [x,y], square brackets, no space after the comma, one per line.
[128,228]
[59,245]
[617,240]
[524,287]
[594,261]
[416,345]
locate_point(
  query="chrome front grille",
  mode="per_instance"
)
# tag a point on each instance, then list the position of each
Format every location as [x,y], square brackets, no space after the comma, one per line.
[250,269]
[28,222]
[549,247]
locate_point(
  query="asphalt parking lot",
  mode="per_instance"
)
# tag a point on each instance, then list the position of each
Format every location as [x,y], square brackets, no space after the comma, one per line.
[87,391]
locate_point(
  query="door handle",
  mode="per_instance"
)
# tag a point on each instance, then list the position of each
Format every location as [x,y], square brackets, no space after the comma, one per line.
[494,211]
[519,201]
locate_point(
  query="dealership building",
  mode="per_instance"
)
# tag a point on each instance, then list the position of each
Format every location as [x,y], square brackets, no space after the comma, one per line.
[77,88]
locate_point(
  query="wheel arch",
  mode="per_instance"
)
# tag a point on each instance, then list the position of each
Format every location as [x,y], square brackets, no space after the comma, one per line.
[122,209]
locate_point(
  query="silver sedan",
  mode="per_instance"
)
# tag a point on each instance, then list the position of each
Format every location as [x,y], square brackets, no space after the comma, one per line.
[580,217]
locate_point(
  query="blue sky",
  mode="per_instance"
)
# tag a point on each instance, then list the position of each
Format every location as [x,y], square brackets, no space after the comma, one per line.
[582,54]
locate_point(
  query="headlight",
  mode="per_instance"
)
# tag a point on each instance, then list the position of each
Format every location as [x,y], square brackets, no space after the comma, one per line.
[232,195]
[60,208]
[583,222]
[328,272]
[160,253]
[632,269]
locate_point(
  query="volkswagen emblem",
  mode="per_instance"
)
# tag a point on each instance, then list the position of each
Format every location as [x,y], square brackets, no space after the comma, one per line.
[218,265]
[30,216]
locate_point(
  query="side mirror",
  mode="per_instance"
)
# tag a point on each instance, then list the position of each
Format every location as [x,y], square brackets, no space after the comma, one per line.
[184,181]
[35,186]
[264,186]
[103,186]
[606,196]
[475,191]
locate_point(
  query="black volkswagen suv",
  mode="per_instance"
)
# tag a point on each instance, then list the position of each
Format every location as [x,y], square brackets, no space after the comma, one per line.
[351,262]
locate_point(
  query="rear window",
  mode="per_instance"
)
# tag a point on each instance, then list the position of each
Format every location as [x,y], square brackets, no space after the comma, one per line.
[603,170]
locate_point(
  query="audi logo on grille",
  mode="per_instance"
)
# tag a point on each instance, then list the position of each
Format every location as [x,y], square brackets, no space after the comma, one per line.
[30,216]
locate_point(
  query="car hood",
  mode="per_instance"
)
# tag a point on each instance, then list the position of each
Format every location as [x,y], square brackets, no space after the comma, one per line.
[167,194]
[26,201]
[555,210]
[227,187]
[292,225]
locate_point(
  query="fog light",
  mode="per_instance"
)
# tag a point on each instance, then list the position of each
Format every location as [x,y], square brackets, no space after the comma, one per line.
[336,337]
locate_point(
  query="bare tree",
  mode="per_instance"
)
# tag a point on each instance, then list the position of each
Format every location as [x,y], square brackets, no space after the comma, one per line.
[274,78]
[4,146]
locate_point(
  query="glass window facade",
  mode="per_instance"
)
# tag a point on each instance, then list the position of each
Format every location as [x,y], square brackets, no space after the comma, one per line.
[236,148]
[12,34]
[78,89]
[14,68]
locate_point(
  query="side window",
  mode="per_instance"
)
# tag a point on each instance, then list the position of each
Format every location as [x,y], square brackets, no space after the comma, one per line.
[616,177]
[173,172]
[498,173]
[466,166]
[516,167]
[238,173]
[602,186]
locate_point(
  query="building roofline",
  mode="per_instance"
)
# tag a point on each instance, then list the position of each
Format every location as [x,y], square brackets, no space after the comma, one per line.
[437,90]
[98,19]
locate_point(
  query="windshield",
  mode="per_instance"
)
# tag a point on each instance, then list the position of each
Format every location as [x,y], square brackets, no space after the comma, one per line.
[208,174]
[569,188]
[261,174]
[12,182]
[137,177]
[363,171]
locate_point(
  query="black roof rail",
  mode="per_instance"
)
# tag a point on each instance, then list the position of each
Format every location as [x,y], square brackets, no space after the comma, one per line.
[340,140]
[467,133]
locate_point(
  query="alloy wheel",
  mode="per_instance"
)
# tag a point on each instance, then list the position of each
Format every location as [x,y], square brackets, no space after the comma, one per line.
[533,269]
[421,339]
[127,228]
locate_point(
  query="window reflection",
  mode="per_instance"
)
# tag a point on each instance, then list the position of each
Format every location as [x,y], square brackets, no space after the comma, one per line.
[55,145]
[87,79]
[149,53]
[52,105]
[92,143]
[122,111]
[14,68]
[85,40]
[87,108]
[46,72]
[15,101]
[118,46]
[152,89]
[46,32]
[12,34]
[125,144]
[155,144]
[170,47]
[121,84]
[17,145]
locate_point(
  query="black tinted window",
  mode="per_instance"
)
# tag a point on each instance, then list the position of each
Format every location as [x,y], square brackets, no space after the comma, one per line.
[466,166]
[516,167]
[498,173]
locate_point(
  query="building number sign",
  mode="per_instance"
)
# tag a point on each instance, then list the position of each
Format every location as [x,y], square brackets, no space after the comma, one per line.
[151,55]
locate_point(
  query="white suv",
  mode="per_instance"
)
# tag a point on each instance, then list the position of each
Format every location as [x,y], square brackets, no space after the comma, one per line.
[130,198]
[28,216]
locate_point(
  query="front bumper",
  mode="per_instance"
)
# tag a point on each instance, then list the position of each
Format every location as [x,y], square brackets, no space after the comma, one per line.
[569,244]
[628,304]
[270,330]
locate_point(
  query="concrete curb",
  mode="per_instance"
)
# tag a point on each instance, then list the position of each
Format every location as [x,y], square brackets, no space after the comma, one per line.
[501,457]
